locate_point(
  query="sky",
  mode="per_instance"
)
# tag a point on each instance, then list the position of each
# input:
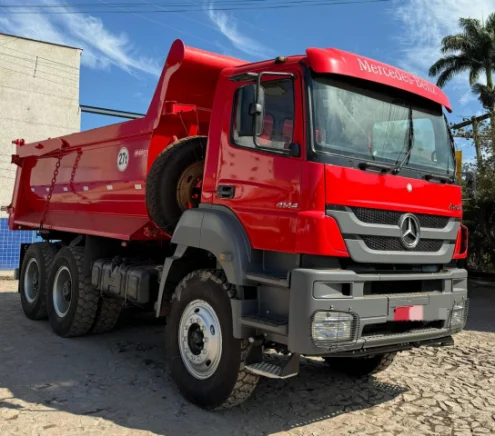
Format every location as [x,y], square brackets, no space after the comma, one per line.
[123,54]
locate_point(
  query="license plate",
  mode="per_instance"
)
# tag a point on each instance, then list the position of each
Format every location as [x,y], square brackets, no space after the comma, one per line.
[409,313]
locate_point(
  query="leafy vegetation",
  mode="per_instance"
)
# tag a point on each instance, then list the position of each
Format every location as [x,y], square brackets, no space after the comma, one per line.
[472,51]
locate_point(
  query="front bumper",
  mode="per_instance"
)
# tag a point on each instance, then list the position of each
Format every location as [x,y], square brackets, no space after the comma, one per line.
[374,311]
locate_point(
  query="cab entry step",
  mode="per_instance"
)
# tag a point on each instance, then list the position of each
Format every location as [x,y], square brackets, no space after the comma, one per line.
[288,369]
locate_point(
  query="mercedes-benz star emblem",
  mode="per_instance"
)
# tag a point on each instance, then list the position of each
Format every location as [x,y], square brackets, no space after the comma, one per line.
[409,231]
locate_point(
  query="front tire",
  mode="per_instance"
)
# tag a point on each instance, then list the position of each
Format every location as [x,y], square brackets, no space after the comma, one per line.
[72,302]
[204,359]
[33,281]
[361,366]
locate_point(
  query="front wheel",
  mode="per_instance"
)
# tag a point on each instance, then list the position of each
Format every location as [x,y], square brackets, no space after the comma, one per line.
[361,366]
[204,359]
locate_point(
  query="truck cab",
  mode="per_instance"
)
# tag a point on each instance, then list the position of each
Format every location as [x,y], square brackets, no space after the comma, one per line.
[330,198]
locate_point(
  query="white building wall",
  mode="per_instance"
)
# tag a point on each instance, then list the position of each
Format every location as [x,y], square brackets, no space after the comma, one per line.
[39,98]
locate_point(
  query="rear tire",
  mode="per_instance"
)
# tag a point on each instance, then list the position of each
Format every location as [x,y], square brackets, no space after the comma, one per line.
[71,300]
[361,366]
[204,359]
[107,316]
[33,280]
[172,183]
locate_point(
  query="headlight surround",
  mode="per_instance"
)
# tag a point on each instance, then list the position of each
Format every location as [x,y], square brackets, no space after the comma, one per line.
[331,327]
[458,316]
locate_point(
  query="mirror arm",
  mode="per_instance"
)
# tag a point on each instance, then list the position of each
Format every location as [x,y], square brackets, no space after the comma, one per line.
[258,87]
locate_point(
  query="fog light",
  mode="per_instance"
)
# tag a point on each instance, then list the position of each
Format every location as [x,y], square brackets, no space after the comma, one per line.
[332,327]
[458,316]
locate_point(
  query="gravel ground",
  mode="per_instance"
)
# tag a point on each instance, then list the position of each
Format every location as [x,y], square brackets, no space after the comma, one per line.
[115,384]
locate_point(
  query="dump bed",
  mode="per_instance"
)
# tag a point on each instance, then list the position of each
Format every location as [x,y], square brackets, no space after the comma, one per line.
[93,182]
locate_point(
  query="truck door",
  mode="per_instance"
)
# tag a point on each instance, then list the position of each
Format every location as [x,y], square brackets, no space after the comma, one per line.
[263,186]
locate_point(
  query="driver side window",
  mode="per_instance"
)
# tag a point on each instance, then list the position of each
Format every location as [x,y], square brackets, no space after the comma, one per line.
[278,120]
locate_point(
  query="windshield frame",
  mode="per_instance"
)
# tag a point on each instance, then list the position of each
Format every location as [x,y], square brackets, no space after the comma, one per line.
[414,101]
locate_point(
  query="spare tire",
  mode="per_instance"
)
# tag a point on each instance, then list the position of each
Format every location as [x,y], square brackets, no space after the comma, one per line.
[175,180]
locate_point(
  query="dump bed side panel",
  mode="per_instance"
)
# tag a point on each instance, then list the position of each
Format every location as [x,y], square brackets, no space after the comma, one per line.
[99,189]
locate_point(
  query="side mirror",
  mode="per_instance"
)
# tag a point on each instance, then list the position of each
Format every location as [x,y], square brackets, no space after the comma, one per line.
[251,106]
[294,149]
[471,183]
[258,110]
[247,100]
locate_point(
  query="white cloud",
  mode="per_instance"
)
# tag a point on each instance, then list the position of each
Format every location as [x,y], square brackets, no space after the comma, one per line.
[466,98]
[425,23]
[227,25]
[101,47]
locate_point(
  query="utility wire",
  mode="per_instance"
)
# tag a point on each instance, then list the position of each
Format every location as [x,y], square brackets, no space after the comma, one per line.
[38,77]
[284,5]
[30,91]
[159,3]
[39,57]
[38,62]
[35,68]
[159,23]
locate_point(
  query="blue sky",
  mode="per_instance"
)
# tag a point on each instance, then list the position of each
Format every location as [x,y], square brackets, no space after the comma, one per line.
[123,53]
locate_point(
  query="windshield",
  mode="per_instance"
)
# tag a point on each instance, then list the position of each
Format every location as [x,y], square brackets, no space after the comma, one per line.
[373,126]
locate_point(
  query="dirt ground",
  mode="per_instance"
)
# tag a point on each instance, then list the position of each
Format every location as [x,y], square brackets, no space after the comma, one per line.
[115,384]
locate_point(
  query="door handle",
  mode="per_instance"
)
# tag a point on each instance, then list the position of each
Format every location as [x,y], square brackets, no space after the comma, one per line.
[225,191]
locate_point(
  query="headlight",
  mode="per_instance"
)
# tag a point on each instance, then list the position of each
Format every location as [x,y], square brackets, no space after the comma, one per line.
[329,327]
[458,316]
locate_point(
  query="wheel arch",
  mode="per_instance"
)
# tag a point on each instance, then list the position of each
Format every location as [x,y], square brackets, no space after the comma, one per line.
[211,237]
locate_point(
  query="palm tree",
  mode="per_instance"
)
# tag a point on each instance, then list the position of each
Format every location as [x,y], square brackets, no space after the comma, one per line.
[473,51]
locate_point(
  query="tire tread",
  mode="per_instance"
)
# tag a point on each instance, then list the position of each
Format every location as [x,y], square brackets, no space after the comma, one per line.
[246,382]
[48,252]
[108,314]
[153,188]
[88,298]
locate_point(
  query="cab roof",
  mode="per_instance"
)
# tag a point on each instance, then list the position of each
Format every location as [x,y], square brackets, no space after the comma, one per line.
[335,61]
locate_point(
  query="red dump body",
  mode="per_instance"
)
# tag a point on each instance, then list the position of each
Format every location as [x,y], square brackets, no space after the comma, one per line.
[93,193]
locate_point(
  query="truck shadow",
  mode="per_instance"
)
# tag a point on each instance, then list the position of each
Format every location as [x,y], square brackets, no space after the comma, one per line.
[481,316]
[120,377]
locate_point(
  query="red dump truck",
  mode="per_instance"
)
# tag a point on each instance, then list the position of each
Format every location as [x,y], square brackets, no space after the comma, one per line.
[305,204]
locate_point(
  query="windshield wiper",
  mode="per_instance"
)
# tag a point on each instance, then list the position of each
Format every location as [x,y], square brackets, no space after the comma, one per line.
[396,169]
[382,167]
[439,177]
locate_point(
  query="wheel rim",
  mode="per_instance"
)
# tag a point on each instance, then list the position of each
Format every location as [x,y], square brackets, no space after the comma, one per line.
[31,280]
[200,339]
[189,186]
[62,291]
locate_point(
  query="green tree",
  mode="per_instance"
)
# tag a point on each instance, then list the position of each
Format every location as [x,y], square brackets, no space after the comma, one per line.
[472,51]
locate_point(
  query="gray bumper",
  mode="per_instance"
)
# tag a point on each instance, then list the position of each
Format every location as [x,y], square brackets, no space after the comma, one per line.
[359,294]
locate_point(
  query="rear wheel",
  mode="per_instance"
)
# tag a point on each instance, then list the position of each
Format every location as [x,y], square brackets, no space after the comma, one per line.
[205,360]
[33,279]
[175,180]
[107,316]
[361,366]
[72,302]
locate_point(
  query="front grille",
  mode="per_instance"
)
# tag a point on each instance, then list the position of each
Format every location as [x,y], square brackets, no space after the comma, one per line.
[398,328]
[390,217]
[412,288]
[385,243]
